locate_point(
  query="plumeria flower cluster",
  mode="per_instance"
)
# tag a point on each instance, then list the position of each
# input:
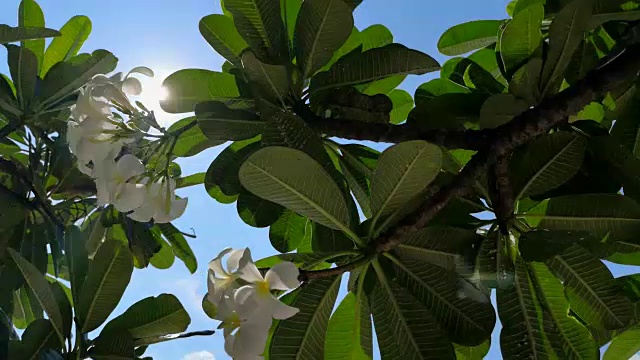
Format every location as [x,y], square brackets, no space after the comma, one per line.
[247,311]
[99,137]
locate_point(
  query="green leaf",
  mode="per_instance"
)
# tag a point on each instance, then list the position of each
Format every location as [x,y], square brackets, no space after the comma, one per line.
[523,334]
[405,329]
[437,87]
[464,38]
[445,247]
[192,141]
[521,37]
[260,25]
[63,299]
[257,212]
[287,232]
[322,28]
[220,32]
[188,87]
[30,16]
[547,163]
[542,245]
[576,339]
[222,174]
[10,34]
[68,76]
[220,123]
[73,34]
[38,336]
[565,35]
[402,105]
[590,289]
[290,10]
[467,319]
[614,216]
[164,258]
[476,77]
[624,345]
[329,240]
[151,316]
[180,246]
[113,346]
[349,330]
[190,180]
[454,110]
[303,335]
[301,259]
[472,353]
[524,83]
[77,260]
[500,109]
[403,172]
[273,80]
[41,290]
[374,64]
[23,65]
[108,276]
[8,100]
[280,175]
[383,86]
[22,312]
[375,36]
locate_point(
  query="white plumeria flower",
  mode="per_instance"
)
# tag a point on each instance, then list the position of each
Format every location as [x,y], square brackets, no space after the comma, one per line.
[112,183]
[222,281]
[282,276]
[89,151]
[160,203]
[246,344]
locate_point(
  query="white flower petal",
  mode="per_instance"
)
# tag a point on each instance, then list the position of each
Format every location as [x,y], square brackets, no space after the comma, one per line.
[176,209]
[279,310]
[229,342]
[245,296]
[248,270]
[216,264]
[225,309]
[129,166]
[251,338]
[283,276]
[144,213]
[132,86]
[129,197]
[233,260]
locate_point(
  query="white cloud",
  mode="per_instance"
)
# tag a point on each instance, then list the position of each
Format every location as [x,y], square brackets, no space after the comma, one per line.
[199,355]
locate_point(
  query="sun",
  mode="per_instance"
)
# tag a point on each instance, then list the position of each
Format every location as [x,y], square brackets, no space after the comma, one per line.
[152,92]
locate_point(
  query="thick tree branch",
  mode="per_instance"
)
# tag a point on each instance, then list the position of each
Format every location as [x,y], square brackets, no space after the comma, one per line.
[502,193]
[505,139]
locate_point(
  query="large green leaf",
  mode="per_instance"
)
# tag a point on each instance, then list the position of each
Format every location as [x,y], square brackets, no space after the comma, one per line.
[73,34]
[472,352]
[63,298]
[289,11]
[402,105]
[68,76]
[23,65]
[521,315]
[322,28]
[222,176]
[108,276]
[180,246]
[41,290]
[152,316]
[547,163]
[10,34]
[8,101]
[220,123]
[38,336]
[521,37]
[273,80]
[329,240]
[30,16]
[624,345]
[281,175]
[256,211]
[591,290]
[524,83]
[288,231]
[576,339]
[352,318]
[461,310]
[403,172]
[192,141]
[113,346]
[188,87]
[303,335]
[499,109]
[374,64]
[445,247]
[405,329]
[260,24]
[77,259]
[615,216]
[543,244]
[220,32]
[464,38]
[359,184]
[565,35]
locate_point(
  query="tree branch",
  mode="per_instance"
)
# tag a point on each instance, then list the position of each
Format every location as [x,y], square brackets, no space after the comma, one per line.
[502,193]
[504,140]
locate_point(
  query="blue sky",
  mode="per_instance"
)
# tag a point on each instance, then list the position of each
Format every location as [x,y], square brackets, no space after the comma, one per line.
[163,35]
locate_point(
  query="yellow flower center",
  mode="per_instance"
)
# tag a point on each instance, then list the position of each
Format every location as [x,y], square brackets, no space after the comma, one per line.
[262,288]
